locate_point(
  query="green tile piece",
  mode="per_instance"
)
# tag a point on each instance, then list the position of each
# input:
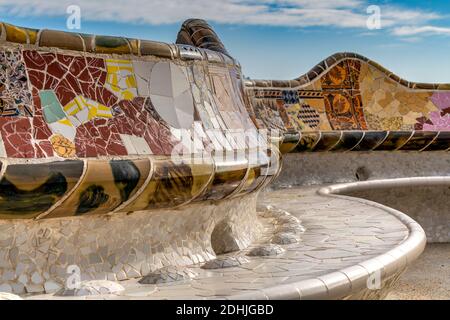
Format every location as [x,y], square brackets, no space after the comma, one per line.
[51,107]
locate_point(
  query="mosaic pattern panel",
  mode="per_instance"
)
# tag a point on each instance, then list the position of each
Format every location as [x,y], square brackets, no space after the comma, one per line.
[15,98]
[103,126]
[91,106]
[346,93]
[84,106]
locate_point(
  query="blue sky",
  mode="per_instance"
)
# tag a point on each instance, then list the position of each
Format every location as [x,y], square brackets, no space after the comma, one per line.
[273,39]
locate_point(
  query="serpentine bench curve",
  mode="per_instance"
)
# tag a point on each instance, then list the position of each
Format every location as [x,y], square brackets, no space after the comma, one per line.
[92,127]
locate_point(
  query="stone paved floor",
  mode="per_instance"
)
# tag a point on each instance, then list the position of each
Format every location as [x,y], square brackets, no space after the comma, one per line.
[339,233]
[428,278]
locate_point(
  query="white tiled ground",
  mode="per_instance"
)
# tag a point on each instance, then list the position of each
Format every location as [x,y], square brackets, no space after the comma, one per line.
[340,233]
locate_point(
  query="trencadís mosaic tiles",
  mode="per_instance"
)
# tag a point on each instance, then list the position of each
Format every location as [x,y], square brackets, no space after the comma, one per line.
[120,125]
[346,102]
[65,104]
[79,98]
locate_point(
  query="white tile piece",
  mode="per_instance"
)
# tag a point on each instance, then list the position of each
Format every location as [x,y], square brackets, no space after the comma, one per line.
[160,80]
[184,109]
[179,81]
[83,115]
[135,145]
[141,145]
[171,95]
[126,139]
[2,149]
[165,107]
[74,120]
[142,71]
[66,131]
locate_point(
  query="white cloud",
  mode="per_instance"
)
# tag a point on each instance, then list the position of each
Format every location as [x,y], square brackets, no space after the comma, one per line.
[293,13]
[427,30]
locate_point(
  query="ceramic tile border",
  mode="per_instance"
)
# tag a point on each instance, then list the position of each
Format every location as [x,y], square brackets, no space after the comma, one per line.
[209,51]
[325,65]
[407,144]
[266,175]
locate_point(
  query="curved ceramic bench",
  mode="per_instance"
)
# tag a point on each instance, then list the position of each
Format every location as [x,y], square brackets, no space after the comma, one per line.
[350,119]
[335,116]
[118,155]
[350,103]
[112,154]
[112,106]
[422,198]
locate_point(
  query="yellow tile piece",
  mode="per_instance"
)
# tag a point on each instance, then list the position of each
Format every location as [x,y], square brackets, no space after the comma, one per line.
[75,106]
[95,109]
[15,34]
[120,79]
[103,111]
[65,122]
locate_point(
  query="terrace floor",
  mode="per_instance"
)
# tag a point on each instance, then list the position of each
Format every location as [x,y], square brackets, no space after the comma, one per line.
[428,278]
[340,233]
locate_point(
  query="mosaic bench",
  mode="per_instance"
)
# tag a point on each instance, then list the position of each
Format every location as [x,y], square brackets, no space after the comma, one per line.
[117,111]
[94,128]
[350,103]
[118,157]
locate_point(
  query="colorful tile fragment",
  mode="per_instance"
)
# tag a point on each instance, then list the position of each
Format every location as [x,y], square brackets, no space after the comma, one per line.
[120,78]
[15,98]
[109,105]
[86,109]
[63,146]
[51,107]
